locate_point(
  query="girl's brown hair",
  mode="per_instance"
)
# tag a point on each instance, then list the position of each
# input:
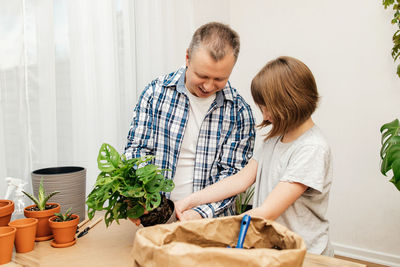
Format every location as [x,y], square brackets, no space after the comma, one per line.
[287,89]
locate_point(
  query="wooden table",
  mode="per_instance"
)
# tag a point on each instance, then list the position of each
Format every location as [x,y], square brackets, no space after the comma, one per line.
[112,247]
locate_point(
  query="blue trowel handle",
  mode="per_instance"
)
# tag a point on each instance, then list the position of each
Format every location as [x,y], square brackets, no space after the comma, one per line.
[244,225]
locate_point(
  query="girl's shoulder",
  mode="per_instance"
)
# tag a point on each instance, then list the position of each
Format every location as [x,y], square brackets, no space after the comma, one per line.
[313,137]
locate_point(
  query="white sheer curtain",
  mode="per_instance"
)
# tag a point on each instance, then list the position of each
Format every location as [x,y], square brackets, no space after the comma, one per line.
[70,74]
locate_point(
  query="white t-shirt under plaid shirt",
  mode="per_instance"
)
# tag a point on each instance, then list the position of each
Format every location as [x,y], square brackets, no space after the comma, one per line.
[224,144]
[198,107]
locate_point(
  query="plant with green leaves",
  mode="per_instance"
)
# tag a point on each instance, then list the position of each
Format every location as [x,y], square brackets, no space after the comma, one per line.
[243,200]
[125,188]
[63,217]
[396,36]
[42,199]
[390,151]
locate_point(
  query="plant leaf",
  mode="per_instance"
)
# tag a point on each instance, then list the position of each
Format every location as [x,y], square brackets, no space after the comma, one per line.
[156,184]
[136,211]
[108,158]
[48,197]
[153,201]
[31,197]
[147,173]
[168,186]
[41,196]
[396,170]
[397,184]
[135,191]
[390,150]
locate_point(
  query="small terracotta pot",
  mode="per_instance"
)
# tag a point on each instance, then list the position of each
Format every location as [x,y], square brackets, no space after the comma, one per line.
[64,232]
[7,236]
[43,231]
[25,235]
[6,210]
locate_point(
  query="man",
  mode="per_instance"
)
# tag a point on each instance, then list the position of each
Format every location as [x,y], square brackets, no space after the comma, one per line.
[194,122]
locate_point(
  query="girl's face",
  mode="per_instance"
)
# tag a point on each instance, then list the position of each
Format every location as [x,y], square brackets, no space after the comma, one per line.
[266,114]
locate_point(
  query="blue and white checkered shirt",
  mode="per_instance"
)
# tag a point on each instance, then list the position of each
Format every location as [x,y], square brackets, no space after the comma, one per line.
[225,142]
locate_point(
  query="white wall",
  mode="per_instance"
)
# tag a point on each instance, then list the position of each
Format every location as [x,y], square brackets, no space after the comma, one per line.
[347,45]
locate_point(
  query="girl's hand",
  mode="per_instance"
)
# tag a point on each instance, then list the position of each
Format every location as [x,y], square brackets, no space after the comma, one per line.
[189,215]
[178,213]
[183,210]
[182,205]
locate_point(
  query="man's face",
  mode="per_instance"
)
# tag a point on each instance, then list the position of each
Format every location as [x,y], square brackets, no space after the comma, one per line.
[204,75]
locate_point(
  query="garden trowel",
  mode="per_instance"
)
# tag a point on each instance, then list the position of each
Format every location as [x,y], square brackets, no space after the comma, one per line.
[244,225]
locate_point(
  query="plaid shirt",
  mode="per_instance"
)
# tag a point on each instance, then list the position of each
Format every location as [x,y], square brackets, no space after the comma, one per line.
[225,142]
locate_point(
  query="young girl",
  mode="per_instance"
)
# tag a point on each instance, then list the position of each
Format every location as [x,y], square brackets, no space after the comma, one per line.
[292,168]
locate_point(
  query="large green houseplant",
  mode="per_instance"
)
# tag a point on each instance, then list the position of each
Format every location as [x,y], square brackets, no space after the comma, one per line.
[390,141]
[127,188]
[395,4]
[390,151]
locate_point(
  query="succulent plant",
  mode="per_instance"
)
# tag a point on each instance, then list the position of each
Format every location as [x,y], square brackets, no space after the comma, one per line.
[63,217]
[42,199]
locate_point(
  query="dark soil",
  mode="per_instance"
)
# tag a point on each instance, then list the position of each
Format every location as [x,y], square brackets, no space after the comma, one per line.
[159,215]
[48,207]
[60,220]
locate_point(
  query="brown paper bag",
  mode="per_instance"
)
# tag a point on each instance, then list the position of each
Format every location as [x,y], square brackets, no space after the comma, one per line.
[204,243]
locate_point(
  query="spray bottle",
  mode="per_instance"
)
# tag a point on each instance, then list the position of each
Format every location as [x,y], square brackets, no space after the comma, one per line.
[17,185]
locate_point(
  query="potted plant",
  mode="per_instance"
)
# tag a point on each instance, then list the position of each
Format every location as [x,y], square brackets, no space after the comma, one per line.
[390,151]
[64,228]
[127,188]
[42,211]
[6,210]
[242,201]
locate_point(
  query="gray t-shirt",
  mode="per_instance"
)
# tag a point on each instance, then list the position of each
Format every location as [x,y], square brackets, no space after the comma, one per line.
[307,160]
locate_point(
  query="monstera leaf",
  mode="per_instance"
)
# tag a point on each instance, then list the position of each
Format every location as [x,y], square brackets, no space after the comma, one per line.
[390,151]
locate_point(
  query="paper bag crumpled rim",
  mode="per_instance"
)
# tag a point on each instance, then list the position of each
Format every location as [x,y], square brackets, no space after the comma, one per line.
[204,243]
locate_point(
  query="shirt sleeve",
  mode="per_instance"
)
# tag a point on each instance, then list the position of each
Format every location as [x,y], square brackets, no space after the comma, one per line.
[235,154]
[308,165]
[140,136]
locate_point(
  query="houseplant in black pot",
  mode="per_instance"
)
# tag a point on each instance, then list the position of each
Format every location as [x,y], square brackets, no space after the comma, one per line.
[128,188]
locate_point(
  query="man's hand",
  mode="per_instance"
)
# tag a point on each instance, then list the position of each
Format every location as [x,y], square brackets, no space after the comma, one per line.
[188,215]
[137,221]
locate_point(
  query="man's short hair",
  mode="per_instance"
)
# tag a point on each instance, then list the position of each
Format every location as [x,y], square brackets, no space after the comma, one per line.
[217,38]
[287,89]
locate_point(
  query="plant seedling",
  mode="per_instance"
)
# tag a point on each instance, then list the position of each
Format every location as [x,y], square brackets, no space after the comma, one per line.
[243,200]
[42,199]
[63,217]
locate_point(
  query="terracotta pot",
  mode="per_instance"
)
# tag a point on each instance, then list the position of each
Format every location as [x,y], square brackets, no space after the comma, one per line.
[25,235]
[6,210]
[43,231]
[64,232]
[7,236]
